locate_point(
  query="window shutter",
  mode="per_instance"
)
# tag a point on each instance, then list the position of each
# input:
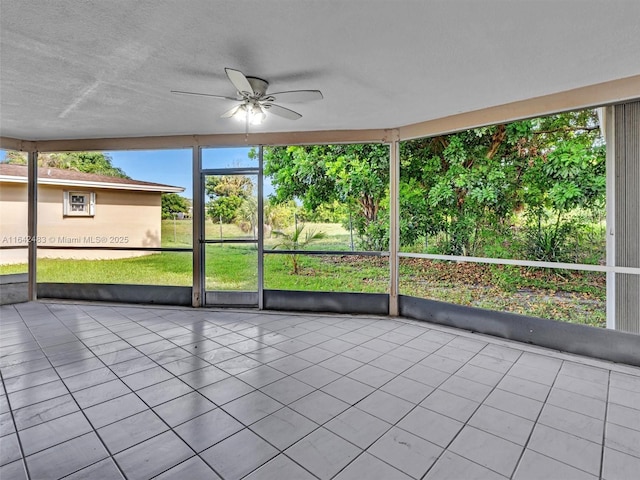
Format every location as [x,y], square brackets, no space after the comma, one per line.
[65,203]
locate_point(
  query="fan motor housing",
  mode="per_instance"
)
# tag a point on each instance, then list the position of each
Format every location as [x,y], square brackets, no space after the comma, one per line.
[259,86]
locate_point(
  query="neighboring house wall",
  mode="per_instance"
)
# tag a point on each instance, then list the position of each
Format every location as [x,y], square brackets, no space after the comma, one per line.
[121,219]
[13,221]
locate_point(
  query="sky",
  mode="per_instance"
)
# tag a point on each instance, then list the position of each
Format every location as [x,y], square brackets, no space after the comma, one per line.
[173,167]
[170,167]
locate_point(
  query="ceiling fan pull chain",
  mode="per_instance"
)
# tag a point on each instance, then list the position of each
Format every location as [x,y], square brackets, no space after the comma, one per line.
[246,128]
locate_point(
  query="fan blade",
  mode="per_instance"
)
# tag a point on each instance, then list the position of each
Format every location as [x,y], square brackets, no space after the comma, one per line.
[297,96]
[239,81]
[221,97]
[281,111]
[232,112]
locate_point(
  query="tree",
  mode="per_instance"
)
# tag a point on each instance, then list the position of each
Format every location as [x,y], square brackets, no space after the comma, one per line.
[172,203]
[226,194]
[279,215]
[570,173]
[87,162]
[296,241]
[355,175]
[247,215]
[476,181]
[467,183]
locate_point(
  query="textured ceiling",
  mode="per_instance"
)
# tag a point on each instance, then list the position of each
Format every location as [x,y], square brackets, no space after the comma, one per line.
[105,68]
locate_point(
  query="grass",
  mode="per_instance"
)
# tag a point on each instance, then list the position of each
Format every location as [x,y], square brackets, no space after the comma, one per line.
[328,274]
[14,268]
[179,234]
[577,297]
[167,268]
[231,267]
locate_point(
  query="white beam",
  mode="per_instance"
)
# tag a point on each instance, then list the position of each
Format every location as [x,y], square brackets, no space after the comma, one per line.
[609,129]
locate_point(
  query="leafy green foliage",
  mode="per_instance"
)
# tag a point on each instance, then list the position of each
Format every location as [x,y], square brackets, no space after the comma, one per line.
[87,162]
[459,189]
[172,204]
[356,176]
[279,215]
[226,195]
[507,190]
[329,212]
[247,215]
[549,244]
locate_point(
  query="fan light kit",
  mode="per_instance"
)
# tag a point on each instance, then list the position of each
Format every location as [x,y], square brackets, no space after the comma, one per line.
[255,102]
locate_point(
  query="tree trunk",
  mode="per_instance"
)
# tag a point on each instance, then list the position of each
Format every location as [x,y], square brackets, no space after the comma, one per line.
[369,207]
[496,140]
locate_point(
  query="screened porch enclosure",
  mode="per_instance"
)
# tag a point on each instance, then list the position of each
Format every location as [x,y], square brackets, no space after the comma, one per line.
[237,249]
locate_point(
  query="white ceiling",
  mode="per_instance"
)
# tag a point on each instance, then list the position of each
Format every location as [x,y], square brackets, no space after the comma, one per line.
[104,68]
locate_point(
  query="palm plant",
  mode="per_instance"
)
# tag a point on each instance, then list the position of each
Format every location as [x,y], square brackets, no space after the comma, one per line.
[296,241]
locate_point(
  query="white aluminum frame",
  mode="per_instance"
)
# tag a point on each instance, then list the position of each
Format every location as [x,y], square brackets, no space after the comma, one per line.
[609,133]
[525,263]
[229,298]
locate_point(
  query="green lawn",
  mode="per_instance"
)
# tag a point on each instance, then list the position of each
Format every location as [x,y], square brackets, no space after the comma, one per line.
[231,267]
[328,274]
[577,297]
[167,268]
[179,234]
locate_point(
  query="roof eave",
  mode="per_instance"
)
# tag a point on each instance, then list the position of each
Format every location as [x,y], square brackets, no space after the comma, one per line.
[89,184]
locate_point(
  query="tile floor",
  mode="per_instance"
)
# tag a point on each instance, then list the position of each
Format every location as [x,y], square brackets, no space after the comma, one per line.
[115,391]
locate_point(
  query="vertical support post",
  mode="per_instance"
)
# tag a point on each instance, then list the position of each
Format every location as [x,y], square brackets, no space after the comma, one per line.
[394,223]
[351,229]
[32,224]
[609,134]
[197,221]
[260,231]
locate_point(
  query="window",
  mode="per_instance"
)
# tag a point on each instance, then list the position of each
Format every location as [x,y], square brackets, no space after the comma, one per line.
[79,204]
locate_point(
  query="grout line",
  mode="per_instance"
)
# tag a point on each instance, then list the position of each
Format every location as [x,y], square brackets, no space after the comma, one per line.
[15,426]
[80,409]
[593,362]
[466,423]
[310,393]
[254,389]
[285,323]
[535,423]
[364,325]
[169,428]
[415,406]
[197,390]
[604,426]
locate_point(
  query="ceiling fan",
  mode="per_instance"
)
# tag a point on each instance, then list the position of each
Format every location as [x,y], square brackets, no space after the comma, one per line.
[255,102]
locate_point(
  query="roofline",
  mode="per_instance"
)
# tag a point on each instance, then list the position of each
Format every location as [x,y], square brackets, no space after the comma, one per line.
[89,184]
